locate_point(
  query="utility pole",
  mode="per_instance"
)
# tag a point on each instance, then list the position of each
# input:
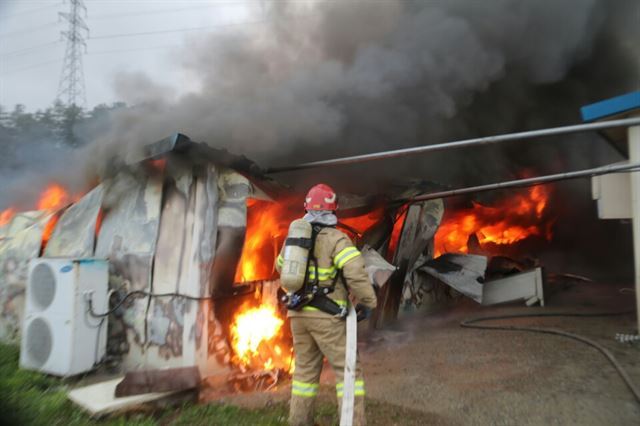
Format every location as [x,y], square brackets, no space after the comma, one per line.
[71,89]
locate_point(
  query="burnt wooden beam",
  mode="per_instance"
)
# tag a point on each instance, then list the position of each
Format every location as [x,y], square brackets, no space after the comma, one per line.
[419,228]
[165,380]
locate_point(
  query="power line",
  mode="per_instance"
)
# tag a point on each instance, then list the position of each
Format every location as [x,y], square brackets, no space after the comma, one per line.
[229,25]
[28,30]
[101,52]
[159,12]
[135,49]
[38,9]
[208,27]
[38,65]
[28,49]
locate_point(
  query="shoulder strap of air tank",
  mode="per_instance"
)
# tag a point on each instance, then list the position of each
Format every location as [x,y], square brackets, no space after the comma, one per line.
[340,277]
[316,231]
[311,259]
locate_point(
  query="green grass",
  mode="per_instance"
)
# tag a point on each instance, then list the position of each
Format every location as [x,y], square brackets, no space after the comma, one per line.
[29,398]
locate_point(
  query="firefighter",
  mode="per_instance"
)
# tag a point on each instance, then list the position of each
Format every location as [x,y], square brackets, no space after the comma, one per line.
[338,269]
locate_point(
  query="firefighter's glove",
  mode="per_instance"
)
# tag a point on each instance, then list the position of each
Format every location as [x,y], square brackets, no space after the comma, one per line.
[362,312]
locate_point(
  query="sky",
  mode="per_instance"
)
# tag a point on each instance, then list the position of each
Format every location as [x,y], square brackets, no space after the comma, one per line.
[32,48]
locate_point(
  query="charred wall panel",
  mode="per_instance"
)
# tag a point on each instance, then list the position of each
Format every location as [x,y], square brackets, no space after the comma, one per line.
[128,239]
[74,235]
[183,331]
[163,345]
[417,234]
[232,224]
[414,289]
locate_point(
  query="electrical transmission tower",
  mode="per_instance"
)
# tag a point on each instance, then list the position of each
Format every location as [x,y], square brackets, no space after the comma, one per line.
[71,88]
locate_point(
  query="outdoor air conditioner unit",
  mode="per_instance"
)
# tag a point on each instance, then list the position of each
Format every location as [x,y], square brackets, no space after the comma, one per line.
[59,336]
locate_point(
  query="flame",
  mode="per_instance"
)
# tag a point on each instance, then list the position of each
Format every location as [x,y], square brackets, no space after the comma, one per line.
[7,215]
[53,197]
[48,230]
[365,221]
[255,333]
[253,327]
[511,220]
[267,227]
[158,164]
[99,222]
[395,233]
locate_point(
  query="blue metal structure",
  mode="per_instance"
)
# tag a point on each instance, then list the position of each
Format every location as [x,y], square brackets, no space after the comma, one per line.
[611,107]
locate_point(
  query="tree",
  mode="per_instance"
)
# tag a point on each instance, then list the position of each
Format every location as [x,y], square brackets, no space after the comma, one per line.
[71,116]
[58,124]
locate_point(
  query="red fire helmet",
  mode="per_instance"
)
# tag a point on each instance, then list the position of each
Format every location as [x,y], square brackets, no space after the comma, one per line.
[321,197]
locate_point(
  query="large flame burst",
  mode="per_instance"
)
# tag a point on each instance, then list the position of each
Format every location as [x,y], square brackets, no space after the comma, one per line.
[52,198]
[267,227]
[6,215]
[256,332]
[513,219]
[254,335]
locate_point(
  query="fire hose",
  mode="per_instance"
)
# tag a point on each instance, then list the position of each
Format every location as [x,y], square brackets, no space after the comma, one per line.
[349,380]
[472,323]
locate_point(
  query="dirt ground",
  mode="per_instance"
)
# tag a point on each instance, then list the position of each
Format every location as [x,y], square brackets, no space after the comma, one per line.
[464,376]
[426,369]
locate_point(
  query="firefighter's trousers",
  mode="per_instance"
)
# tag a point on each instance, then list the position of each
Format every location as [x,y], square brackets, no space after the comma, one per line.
[313,339]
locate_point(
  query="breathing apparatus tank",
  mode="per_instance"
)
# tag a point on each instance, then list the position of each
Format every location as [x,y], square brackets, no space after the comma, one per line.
[296,255]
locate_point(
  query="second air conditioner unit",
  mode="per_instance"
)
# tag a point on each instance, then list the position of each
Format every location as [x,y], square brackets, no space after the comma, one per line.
[59,335]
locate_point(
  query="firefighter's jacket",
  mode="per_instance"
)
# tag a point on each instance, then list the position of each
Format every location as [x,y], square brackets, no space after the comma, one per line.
[335,252]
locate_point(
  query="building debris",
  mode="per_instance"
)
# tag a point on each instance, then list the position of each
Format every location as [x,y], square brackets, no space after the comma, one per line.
[524,286]
[503,266]
[464,273]
[219,386]
[378,269]
[467,275]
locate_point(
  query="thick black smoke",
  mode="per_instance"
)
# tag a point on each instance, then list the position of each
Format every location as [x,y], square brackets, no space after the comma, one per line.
[330,79]
[321,79]
[325,79]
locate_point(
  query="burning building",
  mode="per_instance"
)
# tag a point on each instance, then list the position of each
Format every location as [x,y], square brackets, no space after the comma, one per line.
[191,234]
[172,231]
